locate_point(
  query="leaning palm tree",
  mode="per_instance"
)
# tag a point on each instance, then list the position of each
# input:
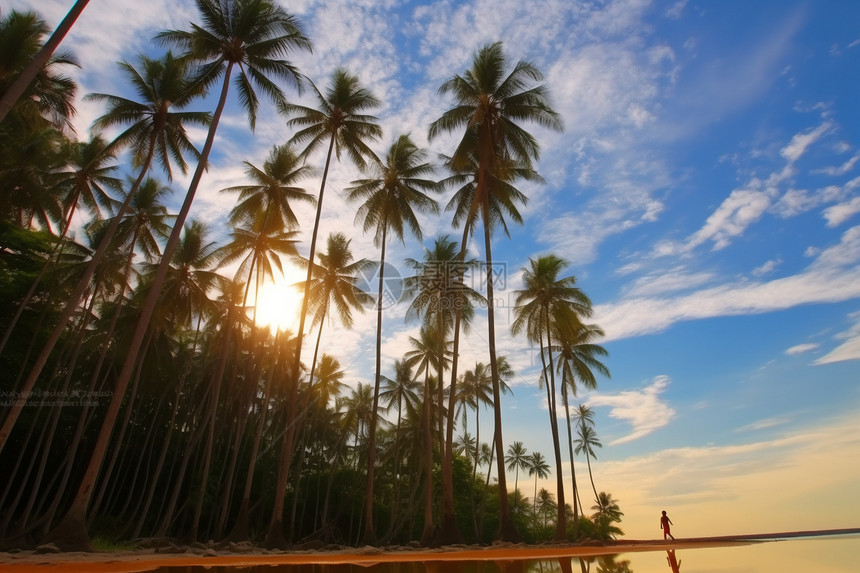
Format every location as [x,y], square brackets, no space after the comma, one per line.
[341,122]
[157,130]
[578,360]
[488,105]
[250,36]
[396,189]
[545,302]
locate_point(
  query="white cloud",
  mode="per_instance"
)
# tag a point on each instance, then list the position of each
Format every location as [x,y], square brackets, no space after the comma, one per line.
[801,142]
[841,169]
[849,349]
[833,276]
[643,409]
[664,282]
[763,424]
[801,348]
[838,214]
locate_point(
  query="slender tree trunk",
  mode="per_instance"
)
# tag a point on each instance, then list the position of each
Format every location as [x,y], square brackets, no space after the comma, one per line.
[427,534]
[23,81]
[570,453]
[561,519]
[369,533]
[507,531]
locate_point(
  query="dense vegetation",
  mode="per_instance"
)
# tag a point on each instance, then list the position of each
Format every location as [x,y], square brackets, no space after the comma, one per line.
[141,398]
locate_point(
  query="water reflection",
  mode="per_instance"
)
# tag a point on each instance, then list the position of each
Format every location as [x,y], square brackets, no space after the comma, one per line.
[835,555]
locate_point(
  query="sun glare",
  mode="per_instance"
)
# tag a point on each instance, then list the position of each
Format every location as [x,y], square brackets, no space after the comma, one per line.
[279,303]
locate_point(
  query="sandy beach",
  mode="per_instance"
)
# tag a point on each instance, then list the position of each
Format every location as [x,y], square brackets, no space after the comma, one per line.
[150,559]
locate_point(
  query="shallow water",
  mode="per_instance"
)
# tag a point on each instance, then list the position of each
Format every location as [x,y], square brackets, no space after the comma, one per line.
[806,555]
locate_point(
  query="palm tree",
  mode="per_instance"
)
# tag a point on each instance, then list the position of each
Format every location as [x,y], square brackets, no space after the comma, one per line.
[587,440]
[577,360]
[156,131]
[252,36]
[487,106]
[390,197]
[342,122]
[537,467]
[333,286]
[606,514]
[31,71]
[517,460]
[545,302]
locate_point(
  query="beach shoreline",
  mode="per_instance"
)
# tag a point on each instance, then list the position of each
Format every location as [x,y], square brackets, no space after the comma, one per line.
[210,556]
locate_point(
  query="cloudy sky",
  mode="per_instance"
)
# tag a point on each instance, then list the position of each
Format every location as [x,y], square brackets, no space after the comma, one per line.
[705,192]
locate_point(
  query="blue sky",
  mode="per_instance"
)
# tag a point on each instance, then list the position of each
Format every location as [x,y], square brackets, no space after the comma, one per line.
[705,190]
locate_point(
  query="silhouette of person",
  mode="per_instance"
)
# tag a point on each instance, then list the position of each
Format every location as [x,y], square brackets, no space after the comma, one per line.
[664,525]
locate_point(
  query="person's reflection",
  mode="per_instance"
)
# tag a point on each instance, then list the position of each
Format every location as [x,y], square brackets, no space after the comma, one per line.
[674,563]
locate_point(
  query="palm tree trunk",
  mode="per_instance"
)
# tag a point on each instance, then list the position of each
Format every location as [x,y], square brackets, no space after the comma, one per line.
[71,532]
[369,534]
[570,453]
[427,534]
[507,531]
[561,520]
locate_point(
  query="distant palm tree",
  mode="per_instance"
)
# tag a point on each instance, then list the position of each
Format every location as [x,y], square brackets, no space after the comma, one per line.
[487,106]
[517,460]
[606,514]
[396,189]
[537,467]
[587,440]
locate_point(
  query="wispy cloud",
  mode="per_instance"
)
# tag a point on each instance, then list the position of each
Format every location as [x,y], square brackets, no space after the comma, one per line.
[801,348]
[643,409]
[849,349]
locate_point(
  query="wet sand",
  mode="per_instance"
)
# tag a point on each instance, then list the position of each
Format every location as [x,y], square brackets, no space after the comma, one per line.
[149,560]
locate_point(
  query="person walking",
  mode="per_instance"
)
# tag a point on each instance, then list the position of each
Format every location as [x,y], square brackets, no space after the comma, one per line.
[665,522]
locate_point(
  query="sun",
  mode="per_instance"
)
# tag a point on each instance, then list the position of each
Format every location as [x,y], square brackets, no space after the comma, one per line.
[279,303]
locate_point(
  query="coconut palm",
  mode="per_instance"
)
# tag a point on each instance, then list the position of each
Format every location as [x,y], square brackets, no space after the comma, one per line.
[487,107]
[248,35]
[156,130]
[517,460]
[341,122]
[587,440]
[537,466]
[396,189]
[545,302]
[607,513]
[440,293]
[578,359]
[333,287]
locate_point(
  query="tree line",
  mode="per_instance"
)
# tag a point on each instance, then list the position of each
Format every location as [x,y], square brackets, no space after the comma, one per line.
[141,396]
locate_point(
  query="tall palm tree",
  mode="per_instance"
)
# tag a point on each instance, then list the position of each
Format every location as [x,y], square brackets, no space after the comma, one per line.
[439,294]
[248,35]
[487,107]
[545,302]
[429,349]
[587,440]
[340,121]
[156,130]
[396,189]
[537,466]
[517,460]
[578,359]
